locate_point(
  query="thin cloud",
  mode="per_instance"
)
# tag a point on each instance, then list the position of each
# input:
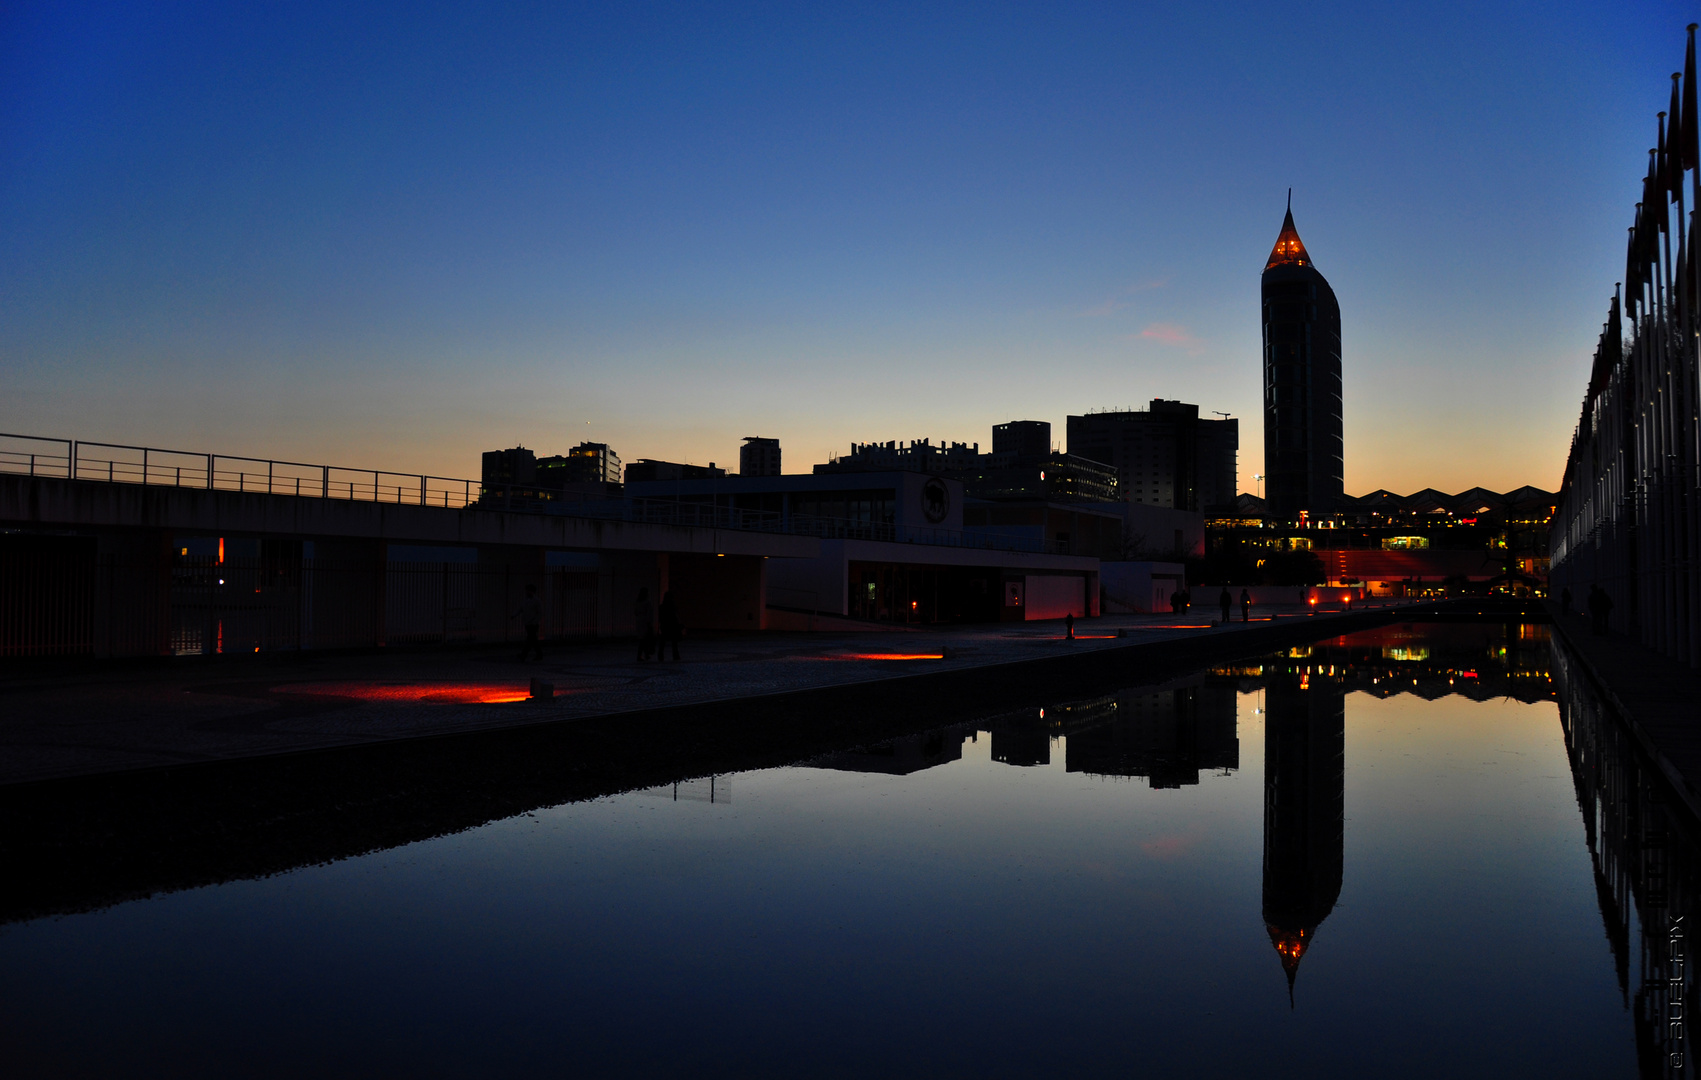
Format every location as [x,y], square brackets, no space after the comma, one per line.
[1175,336]
[1117,303]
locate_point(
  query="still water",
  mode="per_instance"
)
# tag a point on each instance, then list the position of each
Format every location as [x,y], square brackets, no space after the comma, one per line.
[1417,851]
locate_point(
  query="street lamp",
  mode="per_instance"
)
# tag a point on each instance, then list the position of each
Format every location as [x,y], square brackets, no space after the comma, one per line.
[1260,478]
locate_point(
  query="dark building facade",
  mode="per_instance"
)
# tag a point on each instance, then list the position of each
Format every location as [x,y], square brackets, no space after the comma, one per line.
[759,456]
[587,463]
[1022,438]
[1163,455]
[1303,449]
[1304,809]
[645,470]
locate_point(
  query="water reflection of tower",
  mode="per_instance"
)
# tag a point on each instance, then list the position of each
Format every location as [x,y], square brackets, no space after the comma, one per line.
[1304,777]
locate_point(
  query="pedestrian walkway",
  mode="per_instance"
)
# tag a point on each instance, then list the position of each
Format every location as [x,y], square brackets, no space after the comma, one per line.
[67,720]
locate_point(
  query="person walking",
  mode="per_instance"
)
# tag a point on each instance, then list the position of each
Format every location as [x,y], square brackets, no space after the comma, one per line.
[671,630]
[1226,602]
[530,615]
[1069,625]
[1245,606]
[644,620]
[1600,609]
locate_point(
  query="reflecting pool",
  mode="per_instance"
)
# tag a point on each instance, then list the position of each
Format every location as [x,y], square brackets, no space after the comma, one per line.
[1415,851]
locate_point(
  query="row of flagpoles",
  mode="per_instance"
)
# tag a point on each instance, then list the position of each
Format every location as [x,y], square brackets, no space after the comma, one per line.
[1626,531]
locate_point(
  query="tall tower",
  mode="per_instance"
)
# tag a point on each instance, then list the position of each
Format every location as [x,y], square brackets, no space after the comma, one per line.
[1302,382]
[1305,738]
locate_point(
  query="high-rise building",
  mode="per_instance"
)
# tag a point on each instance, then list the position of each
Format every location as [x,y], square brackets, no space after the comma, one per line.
[587,463]
[1164,455]
[502,468]
[1023,438]
[1302,383]
[759,457]
[1304,810]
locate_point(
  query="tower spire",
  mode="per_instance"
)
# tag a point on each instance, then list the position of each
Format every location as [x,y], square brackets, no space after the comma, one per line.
[1289,250]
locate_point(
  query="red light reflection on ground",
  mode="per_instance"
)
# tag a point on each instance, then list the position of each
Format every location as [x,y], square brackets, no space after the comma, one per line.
[436,693]
[886,656]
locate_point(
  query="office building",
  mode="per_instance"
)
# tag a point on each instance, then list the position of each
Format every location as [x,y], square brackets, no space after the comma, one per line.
[1022,438]
[759,457]
[1164,455]
[1303,449]
[503,468]
[587,463]
[647,469]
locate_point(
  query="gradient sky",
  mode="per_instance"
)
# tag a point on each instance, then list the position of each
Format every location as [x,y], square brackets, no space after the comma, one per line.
[395,236]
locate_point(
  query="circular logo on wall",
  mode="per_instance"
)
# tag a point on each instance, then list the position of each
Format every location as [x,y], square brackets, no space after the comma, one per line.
[935,500]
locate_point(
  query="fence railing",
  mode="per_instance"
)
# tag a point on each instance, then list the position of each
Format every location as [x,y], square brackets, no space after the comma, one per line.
[73,459]
[118,463]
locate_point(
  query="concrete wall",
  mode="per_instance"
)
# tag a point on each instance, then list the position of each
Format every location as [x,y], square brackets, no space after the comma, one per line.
[1052,596]
[1140,587]
[1155,530]
[819,584]
[718,592]
[37,501]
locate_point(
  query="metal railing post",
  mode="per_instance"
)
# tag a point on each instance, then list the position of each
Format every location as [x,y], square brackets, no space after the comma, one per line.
[211,465]
[73,468]
[325,483]
[144,465]
[422,491]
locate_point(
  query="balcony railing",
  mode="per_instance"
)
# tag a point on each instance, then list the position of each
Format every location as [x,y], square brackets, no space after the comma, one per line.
[116,463]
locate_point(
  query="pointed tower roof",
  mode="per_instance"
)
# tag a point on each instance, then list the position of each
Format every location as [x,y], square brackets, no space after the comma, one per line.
[1290,946]
[1289,251]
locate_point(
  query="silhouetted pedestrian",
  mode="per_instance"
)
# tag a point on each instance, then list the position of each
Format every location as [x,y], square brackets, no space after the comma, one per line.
[530,615]
[1600,609]
[1226,602]
[1069,625]
[644,620]
[671,630]
[1245,606]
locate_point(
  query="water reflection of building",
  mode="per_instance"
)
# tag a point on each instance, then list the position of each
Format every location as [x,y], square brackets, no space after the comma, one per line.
[1646,870]
[900,757]
[1481,661]
[1021,745]
[1304,778]
[1167,736]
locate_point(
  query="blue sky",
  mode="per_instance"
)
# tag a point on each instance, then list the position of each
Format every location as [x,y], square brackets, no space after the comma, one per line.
[395,236]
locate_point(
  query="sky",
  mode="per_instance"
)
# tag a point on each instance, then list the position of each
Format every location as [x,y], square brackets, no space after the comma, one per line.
[395,236]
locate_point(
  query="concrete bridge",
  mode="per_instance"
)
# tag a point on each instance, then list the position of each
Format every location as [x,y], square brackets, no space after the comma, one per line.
[148,568]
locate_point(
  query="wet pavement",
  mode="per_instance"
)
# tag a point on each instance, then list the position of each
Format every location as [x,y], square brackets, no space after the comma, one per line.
[63,719]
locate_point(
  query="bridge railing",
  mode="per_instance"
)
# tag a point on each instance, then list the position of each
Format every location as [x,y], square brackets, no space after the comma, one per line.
[119,463]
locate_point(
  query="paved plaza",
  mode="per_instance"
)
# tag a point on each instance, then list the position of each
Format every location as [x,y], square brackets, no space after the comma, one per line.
[66,719]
